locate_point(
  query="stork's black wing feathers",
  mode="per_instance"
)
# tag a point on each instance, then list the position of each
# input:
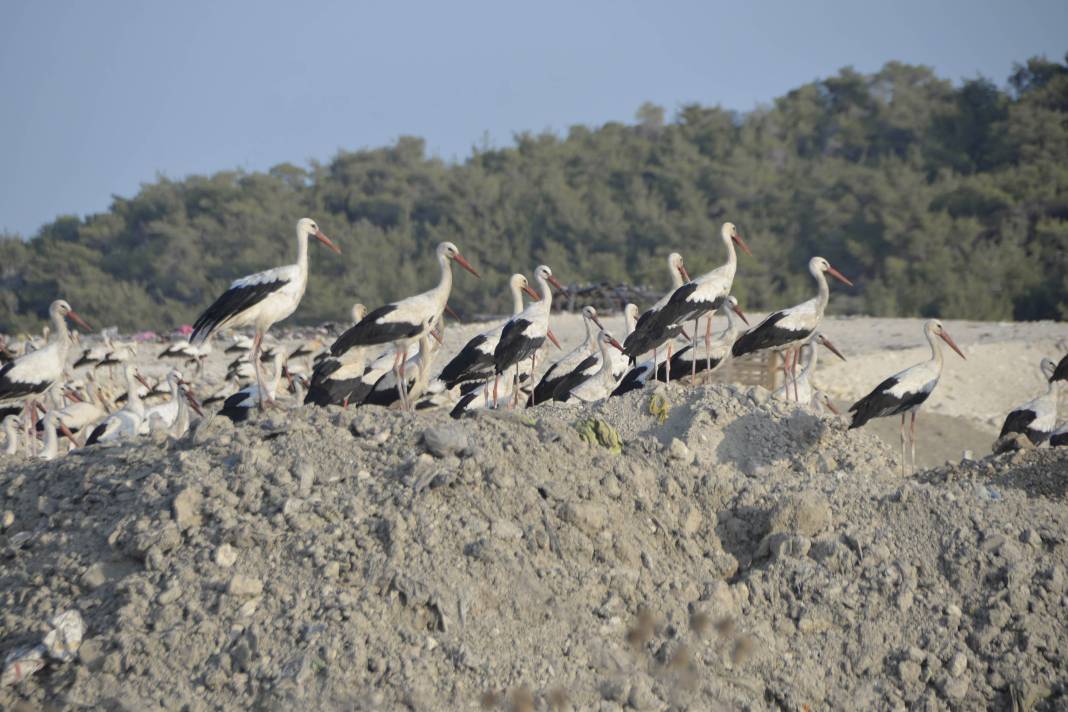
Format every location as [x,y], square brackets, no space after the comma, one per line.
[514,345]
[764,335]
[1061,372]
[13,390]
[575,377]
[543,391]
[470,364]
[634,380]
[1018,421]
[367,333]
[880,403]
[233,301]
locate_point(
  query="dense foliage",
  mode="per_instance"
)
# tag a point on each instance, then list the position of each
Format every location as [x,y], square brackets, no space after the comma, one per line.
[934,198]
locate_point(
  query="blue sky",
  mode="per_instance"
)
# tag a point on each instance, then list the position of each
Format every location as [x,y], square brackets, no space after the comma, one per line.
[99,97]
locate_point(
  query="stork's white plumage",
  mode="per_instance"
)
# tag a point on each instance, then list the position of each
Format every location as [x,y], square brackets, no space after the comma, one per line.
[524,333]
[474,362]
[168,412]
[590,367]
[11,435]
[1037,418]
[577,357]
[35,373]
[239,406]
[650,331]
[262,299]
[125,422]
[601,384]
[405,322]
[905,392]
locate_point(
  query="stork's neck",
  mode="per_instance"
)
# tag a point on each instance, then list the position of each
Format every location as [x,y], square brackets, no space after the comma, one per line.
[824,294]
[517,299]
[51,442]
[547,298]
[60,334]
[813,358]
[936,349]
[276,378]
[606,365]
[676,277]
[731,265]
[133,394]
[629,321]
[302,251]
[445,283]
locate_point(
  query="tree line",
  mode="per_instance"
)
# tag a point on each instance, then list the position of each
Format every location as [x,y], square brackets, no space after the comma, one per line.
[934,197]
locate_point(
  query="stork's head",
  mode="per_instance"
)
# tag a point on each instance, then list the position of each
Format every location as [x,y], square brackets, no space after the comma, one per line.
[607,340]
[590,314]
[306,227]
[935,327]
[60,309]
[818,265]
[544,274]
[732,304]
[675,263]
[359,311]
[1048,368]
[630,311]
[824,341]
[447,250]
[520,283]
[729,233]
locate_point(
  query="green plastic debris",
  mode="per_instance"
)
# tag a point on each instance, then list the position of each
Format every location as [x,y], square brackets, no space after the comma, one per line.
[659,407]
[597,432]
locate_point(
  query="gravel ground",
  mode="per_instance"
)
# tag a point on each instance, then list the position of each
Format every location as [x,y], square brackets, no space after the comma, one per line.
[672,549]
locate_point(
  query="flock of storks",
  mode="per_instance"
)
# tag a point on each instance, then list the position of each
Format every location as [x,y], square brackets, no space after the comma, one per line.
[40,399]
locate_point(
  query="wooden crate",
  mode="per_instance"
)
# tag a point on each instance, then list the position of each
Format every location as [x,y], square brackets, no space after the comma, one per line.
[760,369]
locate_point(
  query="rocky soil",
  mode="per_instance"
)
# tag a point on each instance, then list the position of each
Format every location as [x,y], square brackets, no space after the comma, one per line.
[673,549]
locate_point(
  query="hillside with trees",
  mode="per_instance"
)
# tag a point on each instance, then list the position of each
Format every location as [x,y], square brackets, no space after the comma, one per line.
[934,197]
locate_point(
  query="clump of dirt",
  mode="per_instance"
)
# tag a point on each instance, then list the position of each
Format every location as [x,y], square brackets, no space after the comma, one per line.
[737,553]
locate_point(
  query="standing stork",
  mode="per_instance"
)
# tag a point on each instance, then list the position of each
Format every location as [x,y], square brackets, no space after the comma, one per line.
[474,362]
[717,351]
[525,332]
[34,374]
[262,299]
[602,383]
[904,392]
[127,421]
[338,379]
[1035,419]
[706,294]
[573,359]
[403,323]
[804,388]
[649,332]
[788,329]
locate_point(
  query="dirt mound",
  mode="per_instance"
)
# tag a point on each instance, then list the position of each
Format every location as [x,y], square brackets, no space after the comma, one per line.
[738,553]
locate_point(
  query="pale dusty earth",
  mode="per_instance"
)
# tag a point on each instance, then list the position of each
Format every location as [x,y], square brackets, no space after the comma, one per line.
[680,548]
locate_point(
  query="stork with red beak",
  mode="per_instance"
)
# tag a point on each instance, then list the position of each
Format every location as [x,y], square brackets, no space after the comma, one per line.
[262,299]
[405,322]
[789,329]
[649,332]
[525,332]
[31,376]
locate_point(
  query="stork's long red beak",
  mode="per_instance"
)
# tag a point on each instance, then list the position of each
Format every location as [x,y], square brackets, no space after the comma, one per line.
[556,283]
[192,401]
[832,348]
[78,320]
[437,336]
[838,275]
[450,312]
[326,241]
[685,335]
[597,321]
[741,243]
[66,432]
[952,344]
[615,343]
[741,315]
[684,273]
[142,381]
[552,338]
[531,293]
[830,406]
[459,259]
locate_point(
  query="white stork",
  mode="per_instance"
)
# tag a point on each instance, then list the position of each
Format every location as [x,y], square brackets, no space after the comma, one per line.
[11,435]
[704,295]
[387,391]
[804,388]
[337,380]
[1036,418]
[904,392]
[561,369]
[788,329]
[525,332]
[262,299]
[92,355]
[34,374]
[717,350]
[403,323]
[239,406]
[649,330]
[601,384]
[168,412]
[125,422]
[590,367]
[474,362]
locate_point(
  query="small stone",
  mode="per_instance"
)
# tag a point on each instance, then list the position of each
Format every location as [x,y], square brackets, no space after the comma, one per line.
[186,509]
[332,569]
[91,653]
[504,529]
[95,576]
[955,688]
[807,513]
[445,440]
[241,585]
[169,596]
[641,697]
[305,474]
[614,690]
[291,506]
[225,556]
[957,665]
[908,671]
[590,518]
[915,654]
[248,608]
[7,519]
[953,611]
[1031,537]
[677,450]
[363,475]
